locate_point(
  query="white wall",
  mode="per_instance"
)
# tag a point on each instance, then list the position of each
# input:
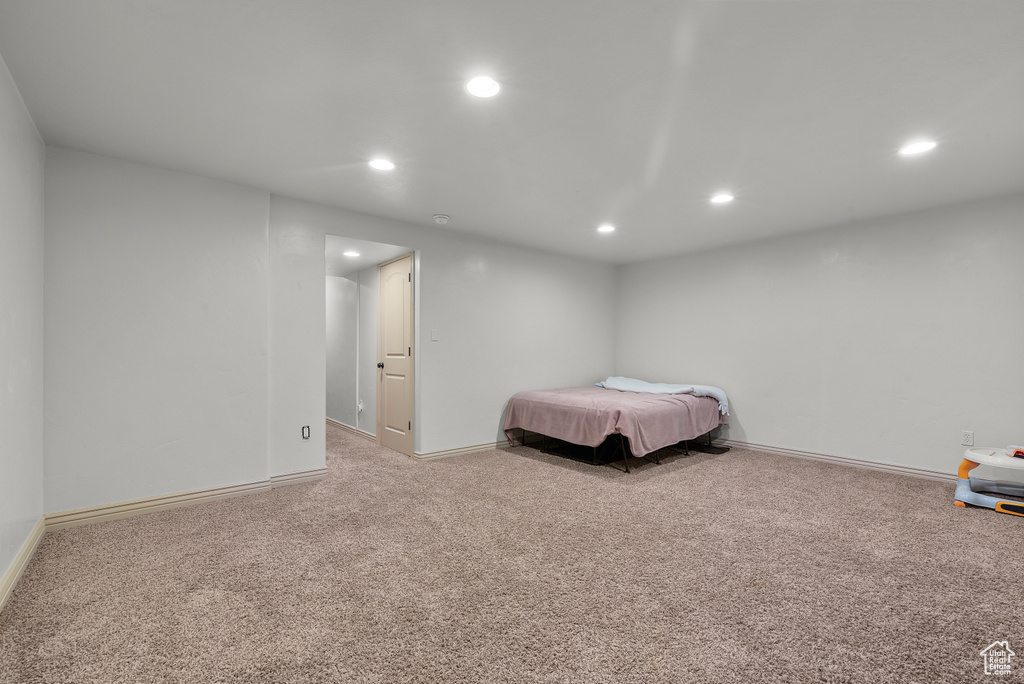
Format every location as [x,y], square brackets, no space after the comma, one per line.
[352,349]
[22,157]
[367,383]
[878,341]
[156,331]
[342,348]
[507,318]
[182,355]
[298,346]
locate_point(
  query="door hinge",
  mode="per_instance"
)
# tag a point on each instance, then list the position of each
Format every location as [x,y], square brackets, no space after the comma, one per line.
[410,425]
[410,277]
[410,351]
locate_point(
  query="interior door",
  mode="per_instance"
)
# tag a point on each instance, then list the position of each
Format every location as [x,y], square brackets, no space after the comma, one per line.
[395,355]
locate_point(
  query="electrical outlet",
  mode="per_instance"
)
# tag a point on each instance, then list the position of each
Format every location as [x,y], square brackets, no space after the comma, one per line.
[305,432]
[967,438]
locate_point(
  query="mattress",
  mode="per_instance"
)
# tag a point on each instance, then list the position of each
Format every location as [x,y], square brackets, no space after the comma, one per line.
[588,415]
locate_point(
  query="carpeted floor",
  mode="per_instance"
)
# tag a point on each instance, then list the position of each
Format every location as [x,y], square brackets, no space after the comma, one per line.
[517,566]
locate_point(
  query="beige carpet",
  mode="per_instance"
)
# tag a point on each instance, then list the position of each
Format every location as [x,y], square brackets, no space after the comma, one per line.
[516,566]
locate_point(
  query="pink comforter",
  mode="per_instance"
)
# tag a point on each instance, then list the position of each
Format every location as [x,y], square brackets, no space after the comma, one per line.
[587,415]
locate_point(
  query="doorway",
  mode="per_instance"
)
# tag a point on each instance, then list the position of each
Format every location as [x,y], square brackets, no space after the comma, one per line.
[352,311]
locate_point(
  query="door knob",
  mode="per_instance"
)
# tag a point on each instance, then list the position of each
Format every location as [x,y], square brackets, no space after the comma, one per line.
[380,364]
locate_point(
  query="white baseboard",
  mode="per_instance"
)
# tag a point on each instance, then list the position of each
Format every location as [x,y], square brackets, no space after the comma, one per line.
[24,555]
[300,477]
[856,463]
[125,509]
[422,457]
[456,452]
[354,431]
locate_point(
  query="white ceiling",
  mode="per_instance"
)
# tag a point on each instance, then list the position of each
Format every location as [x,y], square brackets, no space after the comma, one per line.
[370,254]
[626,112]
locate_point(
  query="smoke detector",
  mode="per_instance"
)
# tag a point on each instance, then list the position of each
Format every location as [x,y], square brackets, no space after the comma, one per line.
[441,219]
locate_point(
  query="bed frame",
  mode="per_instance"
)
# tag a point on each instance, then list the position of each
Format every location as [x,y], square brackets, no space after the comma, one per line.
[558,447]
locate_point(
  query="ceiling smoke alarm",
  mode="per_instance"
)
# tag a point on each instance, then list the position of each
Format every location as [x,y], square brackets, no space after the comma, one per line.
[441,219]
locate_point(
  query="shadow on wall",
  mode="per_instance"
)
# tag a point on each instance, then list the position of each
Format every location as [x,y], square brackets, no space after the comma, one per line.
[351,322]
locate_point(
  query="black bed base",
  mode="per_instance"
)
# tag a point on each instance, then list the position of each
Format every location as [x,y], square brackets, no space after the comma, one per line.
[608,452]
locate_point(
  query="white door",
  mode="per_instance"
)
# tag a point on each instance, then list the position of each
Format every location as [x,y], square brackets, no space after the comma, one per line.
[394,355]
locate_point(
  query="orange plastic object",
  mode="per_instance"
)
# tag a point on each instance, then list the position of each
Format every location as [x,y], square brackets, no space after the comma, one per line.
[966,467]
[960,504]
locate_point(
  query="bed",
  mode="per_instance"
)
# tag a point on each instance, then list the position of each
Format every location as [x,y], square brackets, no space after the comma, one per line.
[587,416]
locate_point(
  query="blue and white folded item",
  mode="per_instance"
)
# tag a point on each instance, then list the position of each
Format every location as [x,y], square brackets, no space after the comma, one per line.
[633,385]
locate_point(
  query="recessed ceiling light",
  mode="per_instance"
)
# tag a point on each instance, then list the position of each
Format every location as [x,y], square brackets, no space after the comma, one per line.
[917,147]
[351,254]
[483,86]
[382,164]
[606,228]
[722,198]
